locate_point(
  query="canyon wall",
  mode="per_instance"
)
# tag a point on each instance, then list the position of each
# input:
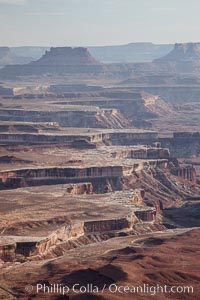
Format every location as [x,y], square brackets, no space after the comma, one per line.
[186,172]
[107,225]
[24,138]
[148,215]
[183,144]
[132,138]
[73,117]
[49,176]
[106,176]
[19,248]
[7,250]
[143,153]
[126,137]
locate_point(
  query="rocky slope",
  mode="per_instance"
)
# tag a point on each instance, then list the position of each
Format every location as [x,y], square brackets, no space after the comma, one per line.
[156,105]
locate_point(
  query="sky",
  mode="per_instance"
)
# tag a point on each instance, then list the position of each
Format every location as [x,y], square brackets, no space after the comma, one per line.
[97,22]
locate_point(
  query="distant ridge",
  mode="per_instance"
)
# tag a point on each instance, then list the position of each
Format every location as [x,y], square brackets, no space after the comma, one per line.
[183,59]
[127,53]
[130,53]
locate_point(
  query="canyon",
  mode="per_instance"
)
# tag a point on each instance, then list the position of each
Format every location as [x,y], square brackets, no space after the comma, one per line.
[99,173]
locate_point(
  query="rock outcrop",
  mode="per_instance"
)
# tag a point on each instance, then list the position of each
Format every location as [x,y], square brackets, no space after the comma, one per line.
[148,215]
[79,189]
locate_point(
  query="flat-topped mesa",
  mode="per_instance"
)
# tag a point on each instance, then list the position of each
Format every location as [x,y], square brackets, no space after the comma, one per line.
[182,52]
[66,56]
[59,60]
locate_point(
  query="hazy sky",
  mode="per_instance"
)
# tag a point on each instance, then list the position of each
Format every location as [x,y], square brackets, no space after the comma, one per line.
[98,22]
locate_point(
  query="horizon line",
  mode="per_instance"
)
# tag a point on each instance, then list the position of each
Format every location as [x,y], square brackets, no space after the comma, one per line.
[104,45]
